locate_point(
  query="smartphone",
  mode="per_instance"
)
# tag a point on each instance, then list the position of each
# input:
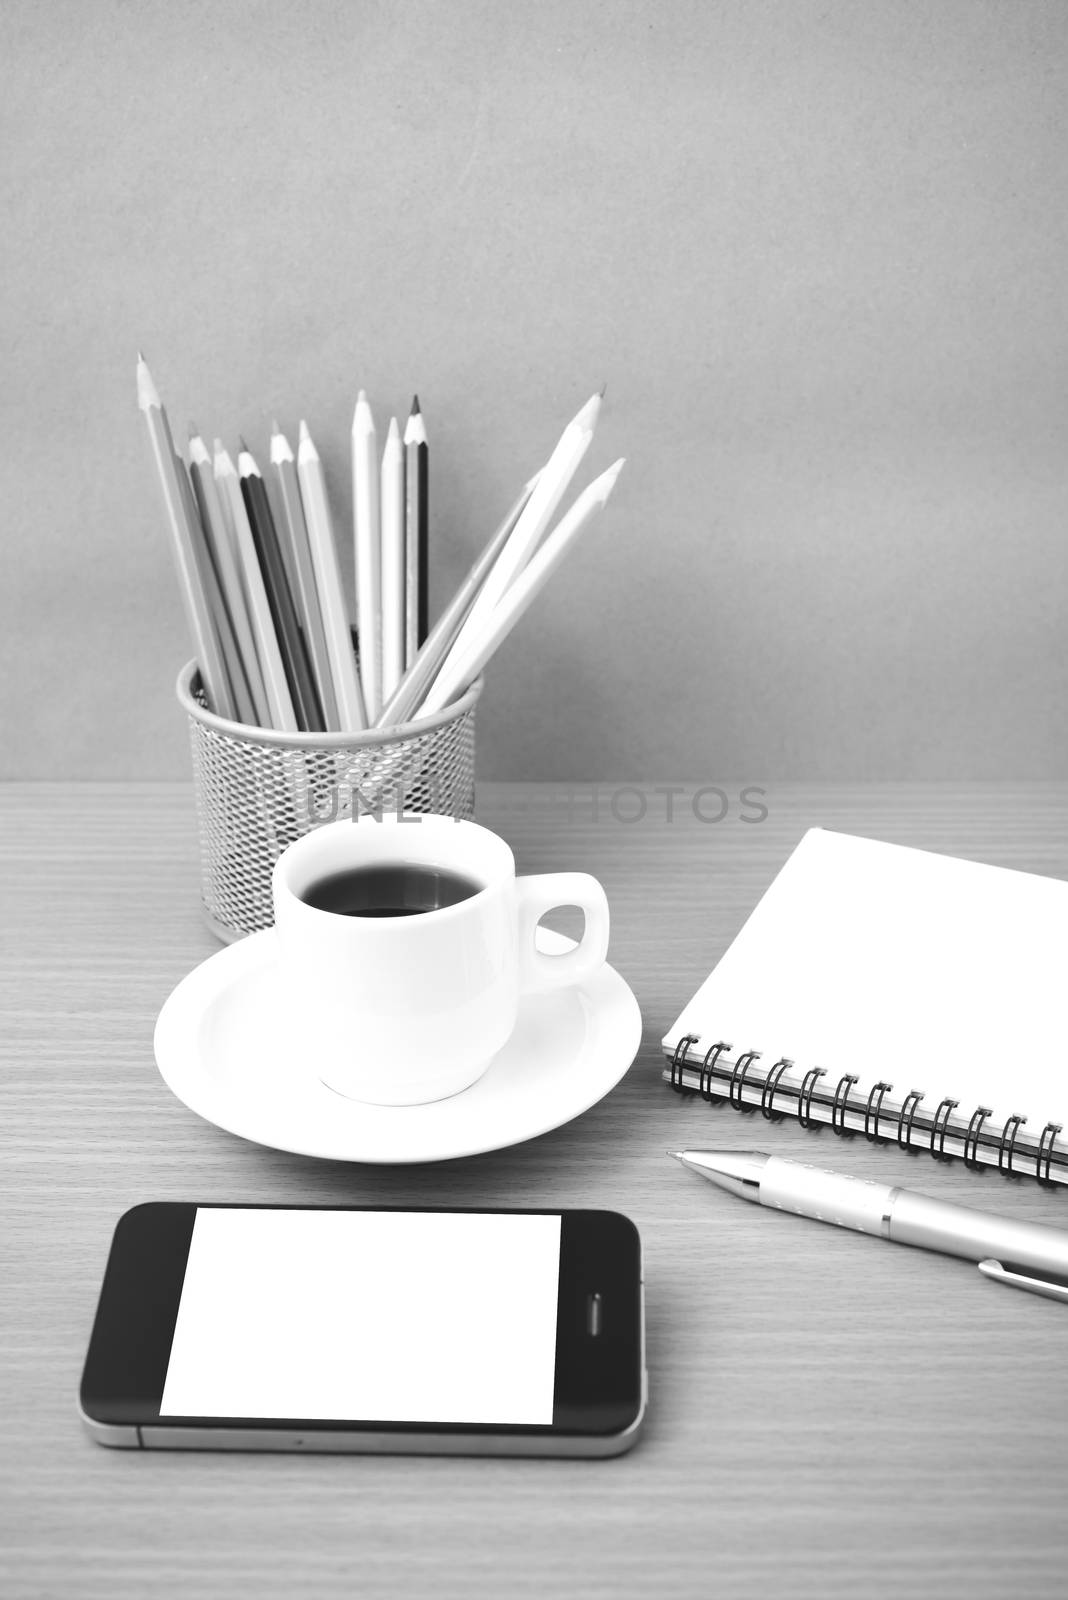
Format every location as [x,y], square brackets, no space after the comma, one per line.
[231,1327]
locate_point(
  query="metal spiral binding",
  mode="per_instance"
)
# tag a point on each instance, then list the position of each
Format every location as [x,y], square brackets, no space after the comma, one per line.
[741,1067]
[840,1103]
[904,1122]
[1052,1129]
[678,1062]
[934,1129]
[771,1083]
[939,1126]
[708,1067]
[879,1089]
[1005,1154]
[804,1101]
[979,1116]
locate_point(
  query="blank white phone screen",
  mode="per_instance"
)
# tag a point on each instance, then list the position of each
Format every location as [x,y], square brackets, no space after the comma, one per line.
[367,1315]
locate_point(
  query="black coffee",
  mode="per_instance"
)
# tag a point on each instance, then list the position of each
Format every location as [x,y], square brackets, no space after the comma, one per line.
[390,889]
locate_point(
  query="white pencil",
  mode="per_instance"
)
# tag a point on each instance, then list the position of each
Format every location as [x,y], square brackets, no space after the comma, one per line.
[335,614]
[461,667]
[218,532]
[184,548]
[393,562]
[416,533]
[551,487]
[305,595]
[368,563]
[428,662]
[279,700]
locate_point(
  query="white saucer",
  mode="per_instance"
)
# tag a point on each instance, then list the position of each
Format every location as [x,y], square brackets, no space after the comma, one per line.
[226,1047]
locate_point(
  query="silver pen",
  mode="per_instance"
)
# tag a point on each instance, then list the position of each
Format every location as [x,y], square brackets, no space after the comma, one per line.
[1025,1255]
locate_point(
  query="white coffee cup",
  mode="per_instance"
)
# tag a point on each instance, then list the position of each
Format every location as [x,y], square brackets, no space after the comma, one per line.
[408,1009]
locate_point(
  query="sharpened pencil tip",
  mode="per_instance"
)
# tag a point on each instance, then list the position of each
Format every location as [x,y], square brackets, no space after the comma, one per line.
[194,431]
[601,390]
[602,487]
[241,445]
[363,420]
[302,431]
[274,426]
[586,416]
[147,393]
[415,427]
[141,355]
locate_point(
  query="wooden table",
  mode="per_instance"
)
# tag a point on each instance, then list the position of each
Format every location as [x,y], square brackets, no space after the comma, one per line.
[828,1416]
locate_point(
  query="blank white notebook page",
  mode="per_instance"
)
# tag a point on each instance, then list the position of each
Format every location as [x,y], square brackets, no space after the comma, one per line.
[945,976]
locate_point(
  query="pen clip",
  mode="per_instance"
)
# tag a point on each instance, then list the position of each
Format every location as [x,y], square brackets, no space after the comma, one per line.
[1052,1288]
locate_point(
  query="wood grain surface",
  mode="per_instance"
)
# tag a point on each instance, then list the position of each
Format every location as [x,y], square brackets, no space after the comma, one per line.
[829,1416]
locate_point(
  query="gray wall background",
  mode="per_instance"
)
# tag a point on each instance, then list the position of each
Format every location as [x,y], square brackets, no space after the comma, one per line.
[817,252]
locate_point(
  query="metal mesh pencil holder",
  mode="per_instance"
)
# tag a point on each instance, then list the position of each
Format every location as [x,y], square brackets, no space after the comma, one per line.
[257,791]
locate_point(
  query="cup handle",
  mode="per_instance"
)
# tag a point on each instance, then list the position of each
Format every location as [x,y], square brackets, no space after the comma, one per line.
[544,892]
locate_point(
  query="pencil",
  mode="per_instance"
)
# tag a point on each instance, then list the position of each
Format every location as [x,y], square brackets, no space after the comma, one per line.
[283,612]
[240,699]
[429,659]
[285,545]
[460,668]
[218,536]
[393,561]
[416,595]
[305,598]
[182,535]
[350,705]
[279,701]
[552,485]
[367,542]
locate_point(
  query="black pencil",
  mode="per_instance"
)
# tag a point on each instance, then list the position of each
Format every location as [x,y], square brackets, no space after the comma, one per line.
[416,523]
[283,612]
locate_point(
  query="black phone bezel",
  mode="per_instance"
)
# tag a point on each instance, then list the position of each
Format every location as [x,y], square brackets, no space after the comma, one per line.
[598,1387]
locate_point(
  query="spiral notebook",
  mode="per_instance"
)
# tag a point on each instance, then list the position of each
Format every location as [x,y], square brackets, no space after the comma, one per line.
[896,993]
